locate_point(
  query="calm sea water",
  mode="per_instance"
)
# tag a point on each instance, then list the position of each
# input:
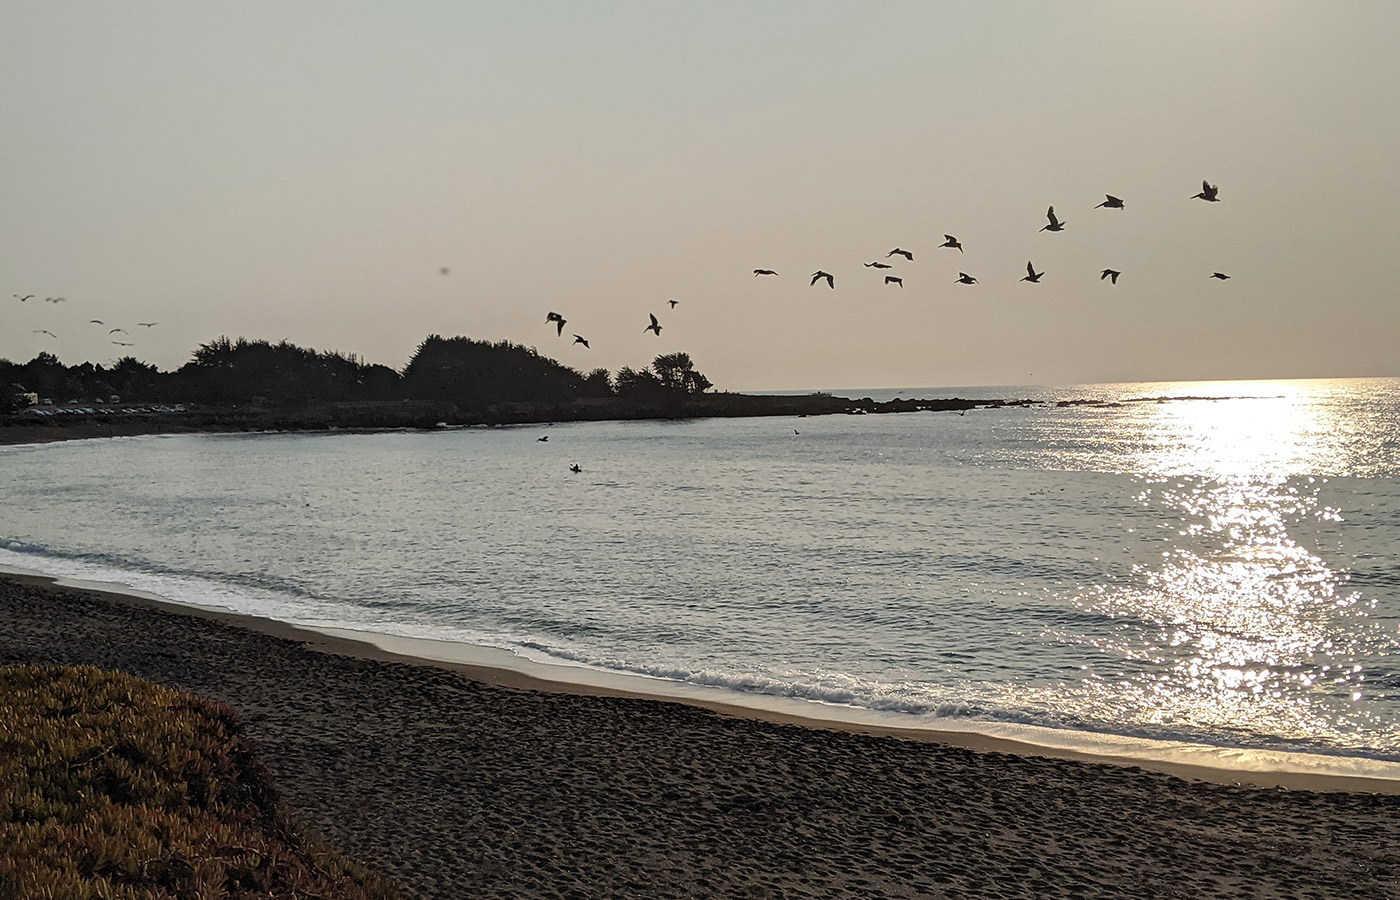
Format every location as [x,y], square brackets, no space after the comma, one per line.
[1221,567]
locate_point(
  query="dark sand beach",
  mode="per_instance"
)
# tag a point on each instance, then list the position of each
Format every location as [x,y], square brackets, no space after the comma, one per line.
[460,787]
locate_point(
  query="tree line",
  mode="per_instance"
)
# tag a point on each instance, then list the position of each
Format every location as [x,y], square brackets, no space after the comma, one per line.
[459,370]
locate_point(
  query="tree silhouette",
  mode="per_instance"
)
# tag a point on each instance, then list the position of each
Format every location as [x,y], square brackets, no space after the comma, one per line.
[676,372]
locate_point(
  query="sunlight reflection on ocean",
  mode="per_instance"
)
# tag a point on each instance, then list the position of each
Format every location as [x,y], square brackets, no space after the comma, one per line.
[1203,562]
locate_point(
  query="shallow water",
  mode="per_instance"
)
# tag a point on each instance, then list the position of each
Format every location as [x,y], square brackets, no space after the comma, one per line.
[1216,570]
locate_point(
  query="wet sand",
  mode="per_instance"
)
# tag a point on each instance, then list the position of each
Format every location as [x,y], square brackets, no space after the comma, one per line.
[457,786]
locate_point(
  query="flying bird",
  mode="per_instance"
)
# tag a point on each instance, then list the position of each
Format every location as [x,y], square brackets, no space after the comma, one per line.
[819,275]
[148,324]
[24,298]
[542,439]
[45,331]
[904,253]
[123,344]
[1055,224]
[557,320]
[1111,203]
[1031,274]
[1221,275]
[96,322]
[115,330]
[950,241]
[1110,274]
[673,303]
[894,279]
[575,468]
[758,272]
[1208,192]
[55,299]
[878,265]
[655,326]
[964,278]
[578,339]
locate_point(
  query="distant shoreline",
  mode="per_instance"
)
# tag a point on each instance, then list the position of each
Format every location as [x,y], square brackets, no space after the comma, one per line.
[45,425]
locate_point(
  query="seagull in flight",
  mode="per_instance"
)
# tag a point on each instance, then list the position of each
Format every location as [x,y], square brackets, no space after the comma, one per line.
[96,322]
[55,299]
[1055,224]
[673,303]
[1111,203]
[819,275]
[1031,274]
[655,326]
[950,241]
[123,344]
[904,253]
[115,330]
[964,278]
[24,298]
[1208,192]
[758,272]
[578,339]
[148,324]
[877,265]
[1110,274]
[1221,275]
[894,279]
[45,331]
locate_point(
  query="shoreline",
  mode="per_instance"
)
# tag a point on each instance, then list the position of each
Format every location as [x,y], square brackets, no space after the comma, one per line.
[456,787]
[503,668]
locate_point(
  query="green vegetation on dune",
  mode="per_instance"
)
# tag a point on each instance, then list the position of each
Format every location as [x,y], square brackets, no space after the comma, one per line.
[112,787]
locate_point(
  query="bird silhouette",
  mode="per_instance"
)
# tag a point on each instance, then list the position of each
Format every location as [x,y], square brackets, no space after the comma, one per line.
[1208,192]
[964,278]
[575,468]
[655,326]
[1221,275]
[148,324]
[878,265]
[1111,203]
[1110,274]
[541,440]
[115,330]
[45,331]
[950,241]
[1055,224]
[904,253]
[553,317]
[819,275]
[55,299]
[578,339]
[24,298]
[561,322]
[1031,274]
[894,279]
[96,322]
[758,272]
[673,303]
[123,344]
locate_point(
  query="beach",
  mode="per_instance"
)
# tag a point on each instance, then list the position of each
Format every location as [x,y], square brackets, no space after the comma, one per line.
[458,786]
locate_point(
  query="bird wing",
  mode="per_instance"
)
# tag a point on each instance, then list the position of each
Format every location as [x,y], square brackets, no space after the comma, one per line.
[1051,214]
[950,239]
[654,323]
[1030,269]
[1205,186]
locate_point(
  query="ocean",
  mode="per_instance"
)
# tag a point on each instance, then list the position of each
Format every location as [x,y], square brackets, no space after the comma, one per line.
[1212,563]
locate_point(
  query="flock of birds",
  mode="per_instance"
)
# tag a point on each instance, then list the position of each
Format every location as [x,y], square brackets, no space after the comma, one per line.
[27,297]
[1209,193]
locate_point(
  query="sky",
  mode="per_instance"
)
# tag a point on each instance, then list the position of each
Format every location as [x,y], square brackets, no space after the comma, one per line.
[304,171]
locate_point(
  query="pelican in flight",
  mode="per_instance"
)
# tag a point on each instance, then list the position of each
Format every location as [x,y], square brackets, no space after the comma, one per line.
[1208,192]
[1055,224]
[578,339]
[1221,275]
[904,253]
[148,324]
[673,303]
[964,278]
[819,275]
[24,298]
[557,320]
[1111,274]
[55,299]
[894,279]
[950,241]
[1031,274]
[655,326]
[877,265]
[1111,203]
[758,272]
[45,331]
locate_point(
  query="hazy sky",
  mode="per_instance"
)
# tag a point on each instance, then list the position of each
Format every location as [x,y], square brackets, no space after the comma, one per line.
[304,170]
